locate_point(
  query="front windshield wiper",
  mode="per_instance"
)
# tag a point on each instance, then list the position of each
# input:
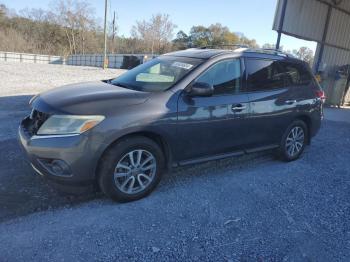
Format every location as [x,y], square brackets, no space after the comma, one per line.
[117,84]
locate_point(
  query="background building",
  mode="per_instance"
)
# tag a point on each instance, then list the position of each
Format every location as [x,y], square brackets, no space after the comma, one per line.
[326,22]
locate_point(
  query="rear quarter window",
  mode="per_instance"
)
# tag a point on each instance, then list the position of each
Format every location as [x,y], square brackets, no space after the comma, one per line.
[263,74]
[296,74]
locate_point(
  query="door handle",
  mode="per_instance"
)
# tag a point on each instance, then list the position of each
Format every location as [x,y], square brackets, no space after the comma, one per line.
[238,108]
[290,102]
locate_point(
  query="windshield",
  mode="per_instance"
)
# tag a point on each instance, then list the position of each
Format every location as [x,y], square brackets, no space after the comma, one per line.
[158,74]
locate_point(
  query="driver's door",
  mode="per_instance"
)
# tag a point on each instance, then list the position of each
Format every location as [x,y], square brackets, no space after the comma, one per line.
[205,124]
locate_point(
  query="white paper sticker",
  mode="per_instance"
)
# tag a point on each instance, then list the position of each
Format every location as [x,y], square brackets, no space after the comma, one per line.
[182,65]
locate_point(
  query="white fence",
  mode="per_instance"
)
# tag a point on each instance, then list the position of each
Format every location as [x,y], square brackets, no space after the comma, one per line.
[30,58]
[124,61]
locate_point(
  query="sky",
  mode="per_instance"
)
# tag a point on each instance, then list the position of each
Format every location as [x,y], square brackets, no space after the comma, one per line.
[253,18]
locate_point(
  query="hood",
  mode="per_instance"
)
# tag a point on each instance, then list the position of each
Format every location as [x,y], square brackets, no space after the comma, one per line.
[87,98]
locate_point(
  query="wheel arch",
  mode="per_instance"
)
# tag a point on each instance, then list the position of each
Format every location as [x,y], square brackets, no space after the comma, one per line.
[307,120]
[157,138]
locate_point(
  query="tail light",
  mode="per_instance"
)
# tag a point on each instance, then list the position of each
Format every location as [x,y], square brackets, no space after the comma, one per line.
[321,95]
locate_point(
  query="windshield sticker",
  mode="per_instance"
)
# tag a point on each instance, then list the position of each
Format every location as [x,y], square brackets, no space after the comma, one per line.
[182,65]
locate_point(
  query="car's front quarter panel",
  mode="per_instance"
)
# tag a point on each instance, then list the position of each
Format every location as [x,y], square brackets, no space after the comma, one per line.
[157,116]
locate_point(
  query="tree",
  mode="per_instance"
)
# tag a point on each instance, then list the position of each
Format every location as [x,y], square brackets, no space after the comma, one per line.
[76,18]
[305,53]
[113,29]
[249,42]
[199,36]
[215,35]
[155,33]
[34,14]
[3,11]
[269,46]
[221,35]
[181,41]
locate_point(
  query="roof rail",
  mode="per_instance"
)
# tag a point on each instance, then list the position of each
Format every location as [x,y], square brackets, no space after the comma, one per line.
[228,45]
[272,51]
[246,48]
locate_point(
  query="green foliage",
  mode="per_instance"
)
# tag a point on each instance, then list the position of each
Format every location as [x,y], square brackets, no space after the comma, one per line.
[199,36]
[181,41]
[214,35]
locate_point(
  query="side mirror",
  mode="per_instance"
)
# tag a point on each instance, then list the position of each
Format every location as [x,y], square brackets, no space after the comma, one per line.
[201,89]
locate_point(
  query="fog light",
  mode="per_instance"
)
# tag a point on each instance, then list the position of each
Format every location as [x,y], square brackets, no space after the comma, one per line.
[60,167]
[56,167]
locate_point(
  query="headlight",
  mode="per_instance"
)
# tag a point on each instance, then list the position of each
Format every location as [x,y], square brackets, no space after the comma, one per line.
[68,124]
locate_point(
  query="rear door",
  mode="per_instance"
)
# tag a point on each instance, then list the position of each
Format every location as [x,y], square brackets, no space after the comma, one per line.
[300,83]
[270,99]
[204,125]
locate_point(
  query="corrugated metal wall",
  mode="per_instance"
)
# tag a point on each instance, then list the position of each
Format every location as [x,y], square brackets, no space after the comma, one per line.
[334,56]
[303,19]
[306,19]
[344,4]
[339,29]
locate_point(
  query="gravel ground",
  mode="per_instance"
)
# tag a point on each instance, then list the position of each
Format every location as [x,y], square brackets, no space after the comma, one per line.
[29,79]
[251,208]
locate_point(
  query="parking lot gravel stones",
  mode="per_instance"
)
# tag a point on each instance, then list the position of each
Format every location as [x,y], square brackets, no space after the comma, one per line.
[250,208]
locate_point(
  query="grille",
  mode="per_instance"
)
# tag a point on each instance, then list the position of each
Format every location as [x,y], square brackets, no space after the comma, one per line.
[36,119]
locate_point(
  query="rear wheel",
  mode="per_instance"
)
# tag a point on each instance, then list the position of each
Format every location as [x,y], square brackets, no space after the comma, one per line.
[293,141]
[131,169]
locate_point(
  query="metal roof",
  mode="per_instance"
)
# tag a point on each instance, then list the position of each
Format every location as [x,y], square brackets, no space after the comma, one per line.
[303,19]
[325,21]
[306,19]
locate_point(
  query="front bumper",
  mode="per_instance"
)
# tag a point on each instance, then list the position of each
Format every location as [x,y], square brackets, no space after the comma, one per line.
[76,151]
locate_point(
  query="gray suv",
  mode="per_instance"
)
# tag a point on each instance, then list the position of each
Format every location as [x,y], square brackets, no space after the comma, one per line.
[180,108]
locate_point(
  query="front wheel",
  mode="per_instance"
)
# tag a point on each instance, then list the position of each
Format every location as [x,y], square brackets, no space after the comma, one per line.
[131,169]
[293,141]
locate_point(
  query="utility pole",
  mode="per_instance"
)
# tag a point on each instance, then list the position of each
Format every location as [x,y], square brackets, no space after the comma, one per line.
[105,62]
[113,31]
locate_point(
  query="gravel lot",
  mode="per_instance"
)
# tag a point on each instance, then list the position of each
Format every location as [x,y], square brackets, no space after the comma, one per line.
[29,79]
[251,208]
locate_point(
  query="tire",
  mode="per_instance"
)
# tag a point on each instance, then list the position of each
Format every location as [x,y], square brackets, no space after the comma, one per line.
[295,135]
[117,166]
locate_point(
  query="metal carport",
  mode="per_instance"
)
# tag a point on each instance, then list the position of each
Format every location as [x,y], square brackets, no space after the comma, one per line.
[326,22]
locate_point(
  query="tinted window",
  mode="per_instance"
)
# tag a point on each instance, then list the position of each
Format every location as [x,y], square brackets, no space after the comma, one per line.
[296,74]
[225,76]
[264,74]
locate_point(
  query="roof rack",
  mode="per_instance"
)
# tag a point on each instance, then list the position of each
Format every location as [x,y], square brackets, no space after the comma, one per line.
[272,51]
[246,48]
[228,45]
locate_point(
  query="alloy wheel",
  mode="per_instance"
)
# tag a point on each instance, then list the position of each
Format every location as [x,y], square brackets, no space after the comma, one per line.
[135,171]
[295,141]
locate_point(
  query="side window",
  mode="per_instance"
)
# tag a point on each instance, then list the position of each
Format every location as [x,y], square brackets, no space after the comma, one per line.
[264,74]
[225,76]
[296,74]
